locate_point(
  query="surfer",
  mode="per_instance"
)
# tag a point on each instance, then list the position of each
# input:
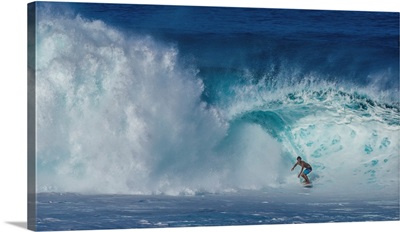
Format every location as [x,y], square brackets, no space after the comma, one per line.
[305,166]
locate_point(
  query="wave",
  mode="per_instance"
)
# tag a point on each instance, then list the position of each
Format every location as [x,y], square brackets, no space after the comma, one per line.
[121,113]
[350,139]
[116,114]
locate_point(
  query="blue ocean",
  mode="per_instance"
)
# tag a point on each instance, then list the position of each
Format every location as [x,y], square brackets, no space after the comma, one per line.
[154,116]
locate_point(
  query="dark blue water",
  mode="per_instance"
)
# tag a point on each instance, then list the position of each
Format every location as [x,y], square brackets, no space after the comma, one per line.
[340,45]
[84,212]
[171,116]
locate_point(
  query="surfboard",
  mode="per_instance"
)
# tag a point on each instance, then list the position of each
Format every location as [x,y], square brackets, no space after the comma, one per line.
[308,185]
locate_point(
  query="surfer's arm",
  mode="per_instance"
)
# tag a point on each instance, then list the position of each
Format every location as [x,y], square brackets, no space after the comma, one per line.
[294,166]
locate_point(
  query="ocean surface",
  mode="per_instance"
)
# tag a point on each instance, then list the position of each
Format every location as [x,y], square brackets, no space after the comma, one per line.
[170,116]
[95,212]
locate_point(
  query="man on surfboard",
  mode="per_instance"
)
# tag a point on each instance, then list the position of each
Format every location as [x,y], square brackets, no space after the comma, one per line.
[305,166]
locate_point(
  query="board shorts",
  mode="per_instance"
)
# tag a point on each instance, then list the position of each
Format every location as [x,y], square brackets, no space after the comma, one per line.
[307,171]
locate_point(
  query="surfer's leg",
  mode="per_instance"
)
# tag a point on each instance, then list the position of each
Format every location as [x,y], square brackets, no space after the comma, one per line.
[304,175]
[307,180]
